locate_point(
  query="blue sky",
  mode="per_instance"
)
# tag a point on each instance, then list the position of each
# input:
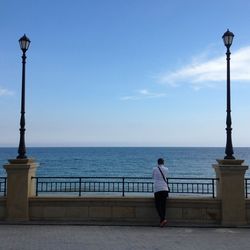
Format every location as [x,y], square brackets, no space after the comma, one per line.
[124,72]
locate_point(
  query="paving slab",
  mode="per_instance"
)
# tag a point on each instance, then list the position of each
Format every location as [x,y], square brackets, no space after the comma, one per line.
[74,237]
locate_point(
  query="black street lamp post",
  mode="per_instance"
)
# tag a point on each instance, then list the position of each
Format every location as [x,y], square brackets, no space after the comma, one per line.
[228,39]
[24,45]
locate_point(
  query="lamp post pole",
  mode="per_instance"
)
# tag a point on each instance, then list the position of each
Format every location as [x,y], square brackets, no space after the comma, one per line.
[24,45]
[228,39]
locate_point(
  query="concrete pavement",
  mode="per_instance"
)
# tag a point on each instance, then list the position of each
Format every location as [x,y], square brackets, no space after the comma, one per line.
[74,237]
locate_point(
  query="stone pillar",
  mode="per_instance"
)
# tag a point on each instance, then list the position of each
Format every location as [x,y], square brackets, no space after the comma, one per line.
[231,191]
[19,187]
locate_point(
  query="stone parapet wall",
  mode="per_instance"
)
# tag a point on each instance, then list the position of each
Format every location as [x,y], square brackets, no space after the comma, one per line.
[126,210]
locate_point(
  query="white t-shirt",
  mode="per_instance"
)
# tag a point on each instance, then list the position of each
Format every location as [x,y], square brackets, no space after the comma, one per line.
[159,183]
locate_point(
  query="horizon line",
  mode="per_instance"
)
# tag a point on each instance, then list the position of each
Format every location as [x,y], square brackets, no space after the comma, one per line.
[15,147]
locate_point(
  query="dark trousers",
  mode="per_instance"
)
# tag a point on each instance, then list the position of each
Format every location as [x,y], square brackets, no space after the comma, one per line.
[160,203]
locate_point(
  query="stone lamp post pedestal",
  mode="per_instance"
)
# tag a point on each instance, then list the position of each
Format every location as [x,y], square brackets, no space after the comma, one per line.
[19,187]
[231,191]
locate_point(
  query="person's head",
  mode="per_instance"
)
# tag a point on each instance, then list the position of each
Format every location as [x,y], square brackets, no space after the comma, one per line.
[160,161]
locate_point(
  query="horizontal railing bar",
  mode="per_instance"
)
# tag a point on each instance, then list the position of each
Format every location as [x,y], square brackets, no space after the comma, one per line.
[117,177]
[88,177]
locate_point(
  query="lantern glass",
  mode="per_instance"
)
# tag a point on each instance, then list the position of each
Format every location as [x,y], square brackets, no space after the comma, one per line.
[24,42]
[228,38]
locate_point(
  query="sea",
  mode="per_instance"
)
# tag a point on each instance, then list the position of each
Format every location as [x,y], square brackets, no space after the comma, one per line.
[124,161]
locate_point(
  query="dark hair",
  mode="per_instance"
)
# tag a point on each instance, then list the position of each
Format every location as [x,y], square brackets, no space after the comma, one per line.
[160,161]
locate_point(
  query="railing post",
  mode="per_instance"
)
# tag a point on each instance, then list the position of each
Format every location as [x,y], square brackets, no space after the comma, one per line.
[246,184]
[80,186]
[37,180]
[213,187]
[123,186]
[5,185]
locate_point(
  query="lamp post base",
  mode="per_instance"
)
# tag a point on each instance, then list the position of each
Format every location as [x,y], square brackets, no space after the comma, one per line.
[19,187]
[231,191]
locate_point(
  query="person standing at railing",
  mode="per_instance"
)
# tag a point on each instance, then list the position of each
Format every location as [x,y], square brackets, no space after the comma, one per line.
[160,190]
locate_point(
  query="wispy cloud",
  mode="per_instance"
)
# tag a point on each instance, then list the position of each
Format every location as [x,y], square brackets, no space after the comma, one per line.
[5,92]
[207,73]
[143,94]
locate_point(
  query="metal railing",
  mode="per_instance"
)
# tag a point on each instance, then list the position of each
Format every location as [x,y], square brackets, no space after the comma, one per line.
[79,185]
[198,186]
[121,185]
[3,185]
